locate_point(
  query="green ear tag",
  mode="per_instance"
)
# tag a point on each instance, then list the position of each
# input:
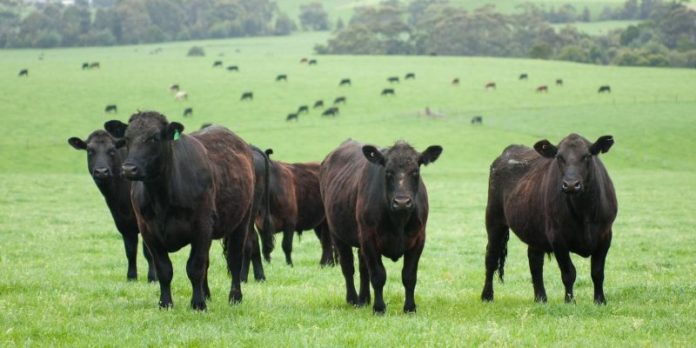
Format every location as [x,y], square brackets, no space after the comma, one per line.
[177,135]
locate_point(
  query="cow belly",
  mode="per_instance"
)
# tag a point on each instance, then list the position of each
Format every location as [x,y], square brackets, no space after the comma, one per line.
[176,234]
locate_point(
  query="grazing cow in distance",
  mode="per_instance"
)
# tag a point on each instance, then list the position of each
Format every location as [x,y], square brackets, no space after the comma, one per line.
[556,199]
[345,82]
[303,60]
[478,119]
[542,88]
[332,111]
[490,85]
[340,100]
[312,62]
[455,81]
[393,79]
[523,76]
[388,91]
[303,108]
[181,95]
[94,65]
[111,108]
[105,154]
[232,68]
[85,66]
[247,96]
[376,201]
[410,76]
[559,82]
[292,116]
[318,104]
[24,72]
[281,77]
[604,88]
[174,88]
[189,190]
[188,112]
[217,63]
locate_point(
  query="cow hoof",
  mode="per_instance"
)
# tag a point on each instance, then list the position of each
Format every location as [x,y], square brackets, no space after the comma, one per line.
[600,301]
[569,299]
[199,306]
[131,278]
[260,279]
[487,296]
[235,297]
[151,279]
[166,305]
[379,310]
[410,309]
[540,299]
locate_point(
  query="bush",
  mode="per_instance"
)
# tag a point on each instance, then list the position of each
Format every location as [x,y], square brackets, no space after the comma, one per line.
[98,38]
[284,25]
[48,39]
[196,51]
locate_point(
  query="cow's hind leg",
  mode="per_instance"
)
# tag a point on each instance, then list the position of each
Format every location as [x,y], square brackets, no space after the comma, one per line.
[327,252]
[288,234]
[130,242]
[196,269]
[536,267]
[496,251]
[259,275]
[151,271]
[348,269]
[364,295]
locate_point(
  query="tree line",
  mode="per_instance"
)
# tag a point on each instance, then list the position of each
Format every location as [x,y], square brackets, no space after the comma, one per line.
[667,36]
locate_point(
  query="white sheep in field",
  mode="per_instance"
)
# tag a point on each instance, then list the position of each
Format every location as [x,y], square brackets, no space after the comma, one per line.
[181,95]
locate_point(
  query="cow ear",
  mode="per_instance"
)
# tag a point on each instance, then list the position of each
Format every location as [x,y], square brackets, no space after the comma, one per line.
[373,154]
[602,145]
[77,143]
[430,155]
[545,148]
[174,129]
[120,143]
[116,128]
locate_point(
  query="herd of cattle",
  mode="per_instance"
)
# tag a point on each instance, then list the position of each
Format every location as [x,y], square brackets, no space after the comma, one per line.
[179,189]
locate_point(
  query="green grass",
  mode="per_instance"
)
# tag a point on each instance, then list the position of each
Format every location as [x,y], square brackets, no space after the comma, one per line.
[62,263]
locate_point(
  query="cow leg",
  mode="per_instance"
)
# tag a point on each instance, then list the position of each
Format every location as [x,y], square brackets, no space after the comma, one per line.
[287,244]
[151,271]
[496,251]
[364,295]
[567,272]
[346,258]
[597,264]
[259,275]
[378,275]
[536,267]
[234,249]
[196,269]
[246,258]
[206,288]
[130,242]
[324,236]
[409,276]
[165,273]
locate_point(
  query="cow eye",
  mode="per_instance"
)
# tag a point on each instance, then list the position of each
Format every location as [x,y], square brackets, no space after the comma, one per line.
[560,158]
[90,152]
[586,158]
[112,153]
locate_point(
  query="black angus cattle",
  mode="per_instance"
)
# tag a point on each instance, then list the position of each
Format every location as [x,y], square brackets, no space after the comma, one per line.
[24,72]
[247,96]
[478,119]
[232,68]
[94,65]
[410,76]
[303,108]
[388,91]
[455,81]
[393,79]
[252,252]
[111,108]
[318,104]
[312,62]
[281,77]
[345,82]
[104,160]
[523,76]
[332,111]
[85,66]
[542,88]
[188,112]
[556,199]
[303,60]
[376,201]
[217,63]
[605,88]
[490,85]
[559,82]
[174,88]
[292,116]
[340,100]
[295,206]
[189,189]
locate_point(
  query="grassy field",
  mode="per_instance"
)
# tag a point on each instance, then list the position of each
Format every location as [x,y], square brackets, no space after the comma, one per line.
[62,263]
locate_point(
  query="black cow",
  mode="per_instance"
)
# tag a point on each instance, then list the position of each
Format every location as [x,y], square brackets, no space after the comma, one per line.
[303,60]
[174,88]
[85,66]
[542,88]
[393,79]
[559,82]
[410,76]
[340,100]
[281,77]
[188,112]
[232,68]
[345,82]
[24,72]
[189,189]
[111,108]
[332,111]
[303,108]
[376,201]
[312,62]
[556,199]
[104,165]
[318,104]
[217,63]
[247,96]
[478,119]
[388,91]
[455,81]
[490,85]
[523,76]
[605,88]
[252,252]
[292,116]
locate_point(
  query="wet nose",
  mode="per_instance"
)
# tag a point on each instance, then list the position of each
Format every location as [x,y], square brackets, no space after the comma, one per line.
[129,170]
[101,173]
[402,202]
[571,186]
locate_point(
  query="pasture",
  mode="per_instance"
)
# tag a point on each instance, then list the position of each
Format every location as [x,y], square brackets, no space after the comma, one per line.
[61,260]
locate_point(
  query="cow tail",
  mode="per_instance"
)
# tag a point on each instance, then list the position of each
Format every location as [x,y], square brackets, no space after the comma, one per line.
[503,254]
[267,235]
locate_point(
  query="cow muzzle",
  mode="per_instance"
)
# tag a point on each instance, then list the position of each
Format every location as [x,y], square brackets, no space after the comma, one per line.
[402,203]
[131,171]
[571,186]
[101,173]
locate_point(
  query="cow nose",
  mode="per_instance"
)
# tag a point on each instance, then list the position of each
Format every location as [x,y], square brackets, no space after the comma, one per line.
[571,186]
[129,170]
[101,173]
[402,202]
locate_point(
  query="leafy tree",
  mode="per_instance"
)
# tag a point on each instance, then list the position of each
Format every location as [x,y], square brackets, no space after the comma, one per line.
[284,25]
[314,17]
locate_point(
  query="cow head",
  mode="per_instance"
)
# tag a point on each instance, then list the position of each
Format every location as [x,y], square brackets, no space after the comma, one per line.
[148,137]
[401,169]
[575,157]
[103,155]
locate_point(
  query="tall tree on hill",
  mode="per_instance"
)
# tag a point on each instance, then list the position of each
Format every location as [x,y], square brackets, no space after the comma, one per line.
[314,17]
